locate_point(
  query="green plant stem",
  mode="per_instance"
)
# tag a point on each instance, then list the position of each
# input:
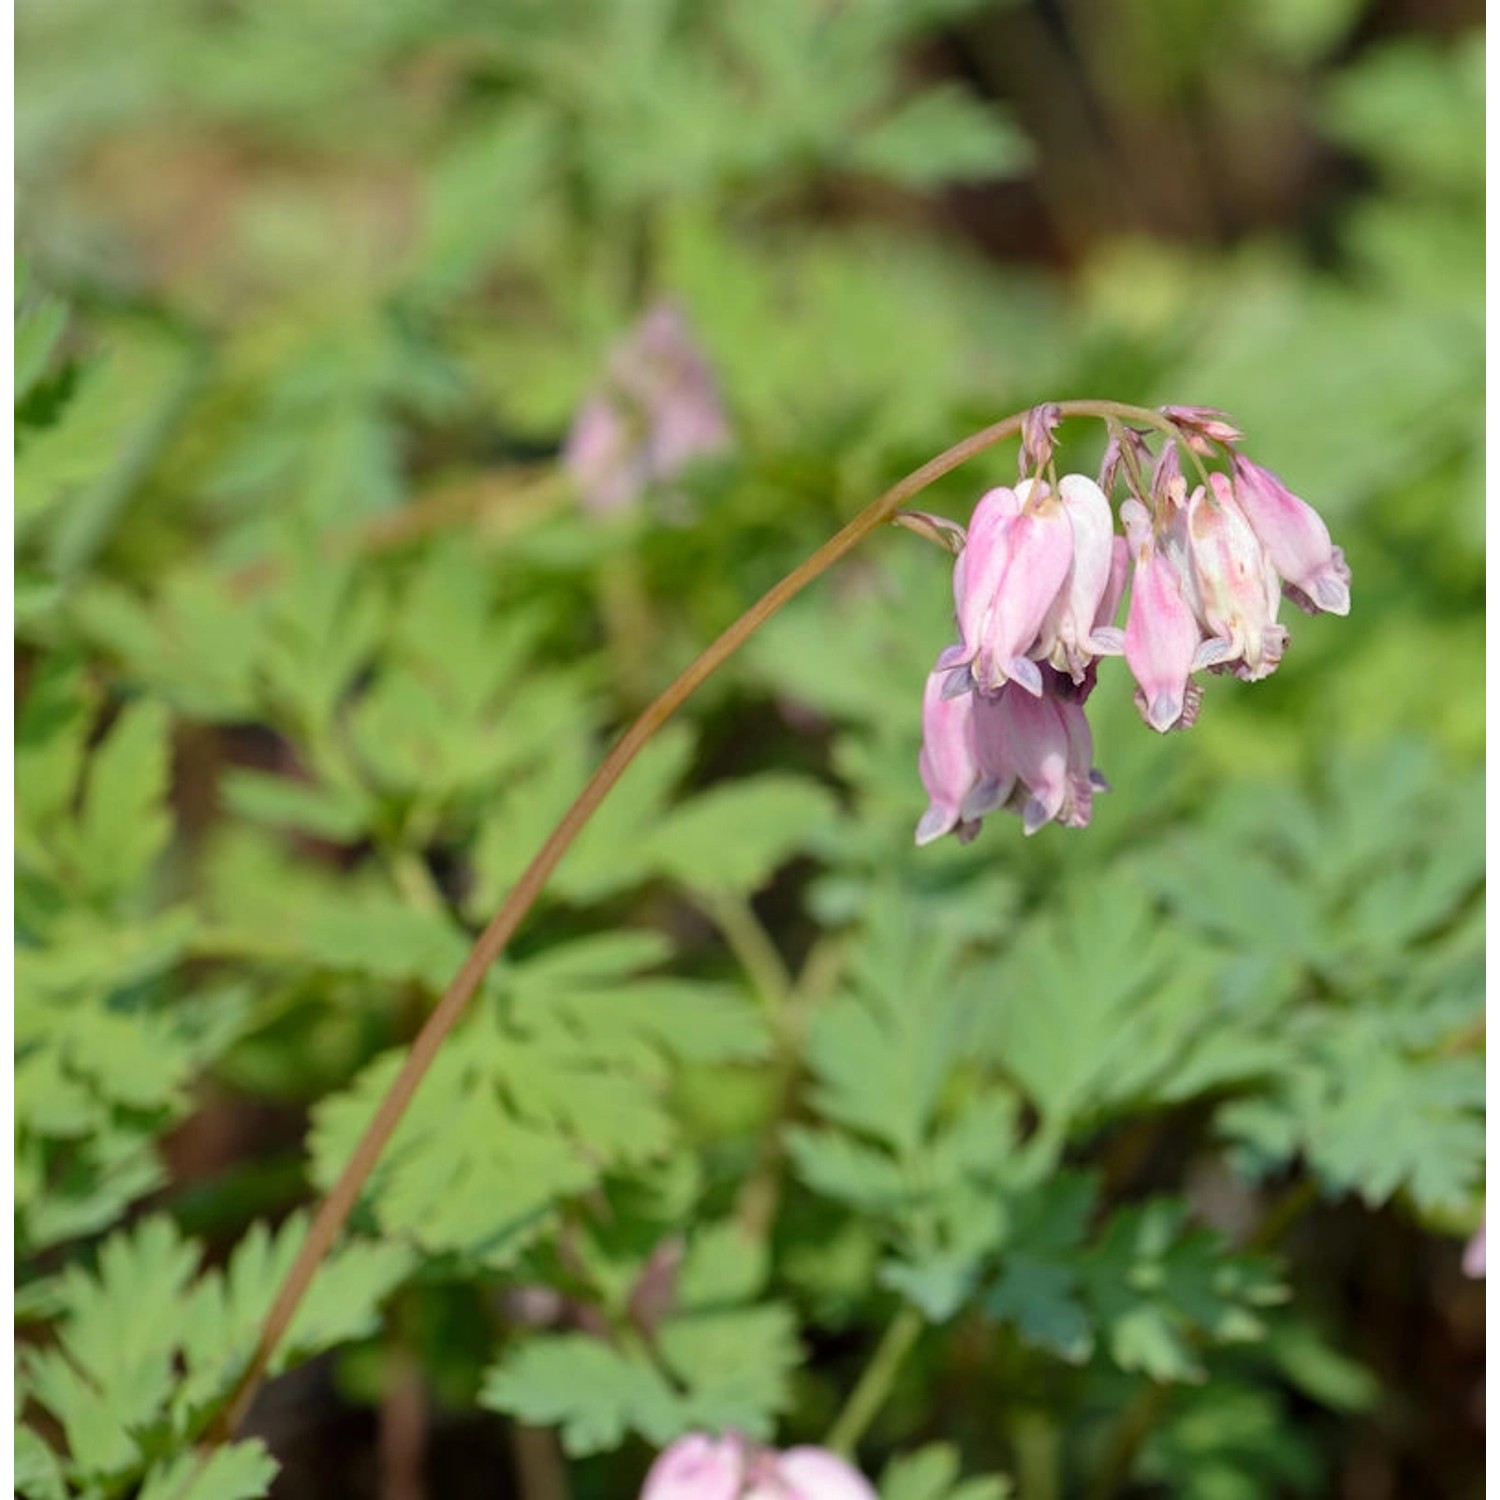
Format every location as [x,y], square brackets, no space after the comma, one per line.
[754,951]
[411,877]
[759,1197]
[875,1384]
[335,1209]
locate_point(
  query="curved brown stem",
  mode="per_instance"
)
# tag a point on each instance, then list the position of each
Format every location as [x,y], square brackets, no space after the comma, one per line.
[336,1207]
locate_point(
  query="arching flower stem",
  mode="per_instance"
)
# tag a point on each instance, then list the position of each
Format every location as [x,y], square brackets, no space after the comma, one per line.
[335,1209]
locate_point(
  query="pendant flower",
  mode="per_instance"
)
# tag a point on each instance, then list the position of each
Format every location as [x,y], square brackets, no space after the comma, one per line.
[1037,584]
[698,1467]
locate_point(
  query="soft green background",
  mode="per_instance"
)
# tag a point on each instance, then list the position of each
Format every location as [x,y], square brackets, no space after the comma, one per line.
[314,643]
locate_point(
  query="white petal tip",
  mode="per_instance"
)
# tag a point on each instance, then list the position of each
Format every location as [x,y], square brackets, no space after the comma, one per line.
[957,683]
[935,822]
[1332,596]
[1025,674]
[1035,817]
[1164,712]
[1211,652]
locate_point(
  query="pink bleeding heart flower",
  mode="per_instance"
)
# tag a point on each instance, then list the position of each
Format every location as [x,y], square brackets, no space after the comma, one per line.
[996,783]
[1162,633]
[1038,752]
[1296,540]
[976,573]
[1009,576]
[698,1467]
[1066,635]
[1234,587]
[948,764]
[808,1473]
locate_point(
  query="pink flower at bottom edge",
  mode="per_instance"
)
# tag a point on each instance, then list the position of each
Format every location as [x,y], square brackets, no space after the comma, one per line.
[808,1473]
[1474,1255]
[697,1467]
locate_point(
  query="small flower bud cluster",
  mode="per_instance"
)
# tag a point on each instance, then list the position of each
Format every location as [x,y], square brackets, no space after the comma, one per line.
[658,411]
[699,1467]
[1037,586]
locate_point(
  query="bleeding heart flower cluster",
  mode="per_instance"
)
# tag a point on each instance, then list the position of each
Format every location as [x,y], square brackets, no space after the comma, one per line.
[1038,582]
[699,1467]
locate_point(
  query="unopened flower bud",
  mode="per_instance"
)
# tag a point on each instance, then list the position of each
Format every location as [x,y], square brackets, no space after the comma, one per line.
[1037,427]
[1204,421]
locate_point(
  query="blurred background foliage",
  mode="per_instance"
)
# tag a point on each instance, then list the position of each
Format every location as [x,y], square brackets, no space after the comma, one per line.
[1167,1131]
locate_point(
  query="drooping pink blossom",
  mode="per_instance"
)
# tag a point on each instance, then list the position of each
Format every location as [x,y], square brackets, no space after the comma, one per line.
[1066,634]
[1009,576]
[1037,589]
[1314,573]
[981,562]
[1035,755]
[698,1467]
[1162,633]
[948,763]
[1234,588]
[808,1473]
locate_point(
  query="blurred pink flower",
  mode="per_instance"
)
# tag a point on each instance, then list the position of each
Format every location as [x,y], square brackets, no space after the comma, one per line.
[658,411]
[809,1473]
[1474,1254]
[698,1467]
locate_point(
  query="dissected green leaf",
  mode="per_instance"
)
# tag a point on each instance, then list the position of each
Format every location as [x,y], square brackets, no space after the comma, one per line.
[932,1473]
[236,1471]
